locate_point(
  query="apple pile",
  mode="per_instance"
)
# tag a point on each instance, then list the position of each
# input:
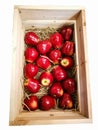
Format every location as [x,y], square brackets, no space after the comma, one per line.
[48,77]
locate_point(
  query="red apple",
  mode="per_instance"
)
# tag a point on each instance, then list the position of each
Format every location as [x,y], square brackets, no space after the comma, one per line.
[43,62]
[44,46]
[55,56]
[59,73]
[66,101]
[69,85]
[31,38]
[32,85]
[68,48]
[31,54]
[46,78]
[31,103]
[47,102]
[56,90]
[67,62]
[67,33]
[56,40]
[30,70]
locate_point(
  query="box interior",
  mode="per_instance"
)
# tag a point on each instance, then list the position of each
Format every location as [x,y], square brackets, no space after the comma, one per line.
[24,19]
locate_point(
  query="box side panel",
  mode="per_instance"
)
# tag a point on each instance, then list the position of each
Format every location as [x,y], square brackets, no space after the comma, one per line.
[46,23]
[17,67]
[84,86]
[47,13]
[49,117]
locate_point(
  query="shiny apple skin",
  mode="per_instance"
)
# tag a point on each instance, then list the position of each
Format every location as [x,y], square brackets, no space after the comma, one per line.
[68,48]
[46,77]
[31,54]
[59,73]
[31,38]
[43,63]
[56,40]
[67,33]
[31,102]
[44,46]
[69,85]
[30,70]
[47,102]
[65,101]
[32,85]
[55,56]
[56,90]
[67,62]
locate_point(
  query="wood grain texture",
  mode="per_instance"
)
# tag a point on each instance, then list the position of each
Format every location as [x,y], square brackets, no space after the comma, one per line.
[83,81]
[49,117]
[47,23]
[17,67]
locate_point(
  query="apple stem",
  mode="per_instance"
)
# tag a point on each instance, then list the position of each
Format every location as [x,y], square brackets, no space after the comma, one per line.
[26,106]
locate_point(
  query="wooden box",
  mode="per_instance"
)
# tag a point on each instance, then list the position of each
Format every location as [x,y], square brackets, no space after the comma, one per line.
[26,16]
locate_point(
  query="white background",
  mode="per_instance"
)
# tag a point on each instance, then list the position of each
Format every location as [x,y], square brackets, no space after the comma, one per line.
[6,24]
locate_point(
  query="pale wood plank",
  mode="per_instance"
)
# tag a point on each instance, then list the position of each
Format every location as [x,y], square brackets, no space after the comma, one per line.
[47,23]
[83,79]
[17,67]
[28,7]
[58,118]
